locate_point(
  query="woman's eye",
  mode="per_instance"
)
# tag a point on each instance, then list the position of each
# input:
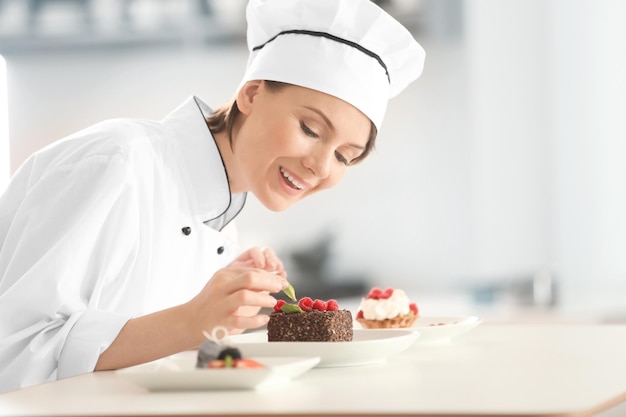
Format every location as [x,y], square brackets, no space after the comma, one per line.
[341,158]
[307,130]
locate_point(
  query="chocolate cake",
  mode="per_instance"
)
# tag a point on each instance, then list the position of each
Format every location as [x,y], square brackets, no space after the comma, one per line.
[310,326]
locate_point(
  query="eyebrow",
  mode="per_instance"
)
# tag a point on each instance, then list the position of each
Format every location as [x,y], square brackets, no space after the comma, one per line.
[330,124]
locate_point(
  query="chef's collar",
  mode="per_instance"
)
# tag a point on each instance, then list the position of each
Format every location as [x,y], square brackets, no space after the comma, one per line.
[203,169]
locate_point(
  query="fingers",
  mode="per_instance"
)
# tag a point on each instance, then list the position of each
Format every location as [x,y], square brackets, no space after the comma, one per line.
[262,258]
[248,317]
[253,279]
[272,262]
[249,302]
[256,258]
[235,294]
[243,309]
[240,323]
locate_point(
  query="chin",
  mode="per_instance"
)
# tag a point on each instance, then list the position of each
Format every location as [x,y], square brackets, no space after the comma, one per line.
[275,206]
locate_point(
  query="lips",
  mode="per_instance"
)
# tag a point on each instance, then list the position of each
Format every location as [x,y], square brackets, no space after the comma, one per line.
[291,180]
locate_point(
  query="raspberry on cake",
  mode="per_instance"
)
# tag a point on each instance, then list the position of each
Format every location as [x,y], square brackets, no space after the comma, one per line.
[386,309]
[309,321]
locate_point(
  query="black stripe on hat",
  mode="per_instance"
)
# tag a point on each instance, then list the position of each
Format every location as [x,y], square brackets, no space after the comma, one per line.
[331,37]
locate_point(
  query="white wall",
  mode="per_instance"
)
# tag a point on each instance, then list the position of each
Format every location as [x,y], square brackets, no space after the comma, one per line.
[589,111]
[511,143]
[548,119]
[5,157]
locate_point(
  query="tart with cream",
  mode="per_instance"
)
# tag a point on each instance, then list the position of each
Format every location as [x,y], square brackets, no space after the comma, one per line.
[386,309]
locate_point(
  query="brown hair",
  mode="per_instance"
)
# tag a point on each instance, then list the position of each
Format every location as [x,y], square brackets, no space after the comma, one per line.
[223,119]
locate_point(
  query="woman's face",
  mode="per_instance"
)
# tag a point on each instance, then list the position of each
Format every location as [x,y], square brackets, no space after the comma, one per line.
[293,142]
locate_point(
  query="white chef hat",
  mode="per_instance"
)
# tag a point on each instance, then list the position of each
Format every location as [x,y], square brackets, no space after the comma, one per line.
[351,49]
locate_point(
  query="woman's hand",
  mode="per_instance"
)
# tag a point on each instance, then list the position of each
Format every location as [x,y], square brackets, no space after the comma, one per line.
[235,294]
[232,298]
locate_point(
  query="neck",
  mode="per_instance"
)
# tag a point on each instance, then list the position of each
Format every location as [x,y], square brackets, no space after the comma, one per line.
[230,162]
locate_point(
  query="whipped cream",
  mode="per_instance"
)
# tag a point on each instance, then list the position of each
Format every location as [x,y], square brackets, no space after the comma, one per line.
[382,309]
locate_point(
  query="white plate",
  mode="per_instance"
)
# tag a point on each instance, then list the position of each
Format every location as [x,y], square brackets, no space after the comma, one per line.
[442,329]
[366,347]
[179,372]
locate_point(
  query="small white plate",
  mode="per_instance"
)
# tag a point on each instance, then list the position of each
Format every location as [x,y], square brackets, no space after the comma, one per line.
[179,372]
[366,347]
[442,329]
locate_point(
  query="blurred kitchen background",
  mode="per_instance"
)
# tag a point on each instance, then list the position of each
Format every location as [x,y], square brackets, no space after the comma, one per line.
[498,187]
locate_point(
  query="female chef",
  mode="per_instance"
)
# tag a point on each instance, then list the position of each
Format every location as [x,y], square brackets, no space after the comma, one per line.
[112,250]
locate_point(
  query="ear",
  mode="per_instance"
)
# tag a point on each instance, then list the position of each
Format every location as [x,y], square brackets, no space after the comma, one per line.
[247,95]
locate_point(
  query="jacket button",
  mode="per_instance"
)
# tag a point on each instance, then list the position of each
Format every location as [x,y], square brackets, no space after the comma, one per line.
[186,230]
[220,250]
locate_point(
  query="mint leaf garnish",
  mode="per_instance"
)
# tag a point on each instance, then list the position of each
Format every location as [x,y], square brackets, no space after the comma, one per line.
[290,292]
[290,308]
[228,361]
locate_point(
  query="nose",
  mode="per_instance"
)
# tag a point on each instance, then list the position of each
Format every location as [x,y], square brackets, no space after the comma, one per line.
[319,162]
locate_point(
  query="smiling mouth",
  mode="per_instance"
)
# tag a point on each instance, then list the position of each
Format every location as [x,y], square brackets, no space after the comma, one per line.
[291,181]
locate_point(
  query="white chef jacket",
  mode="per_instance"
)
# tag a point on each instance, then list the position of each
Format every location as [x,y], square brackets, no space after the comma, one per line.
[116,221]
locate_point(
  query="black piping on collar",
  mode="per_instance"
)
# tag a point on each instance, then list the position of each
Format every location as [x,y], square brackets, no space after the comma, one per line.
[331,37]
[205,111]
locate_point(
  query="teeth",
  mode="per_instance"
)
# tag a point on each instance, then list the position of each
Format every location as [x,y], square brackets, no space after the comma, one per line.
[292,180]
